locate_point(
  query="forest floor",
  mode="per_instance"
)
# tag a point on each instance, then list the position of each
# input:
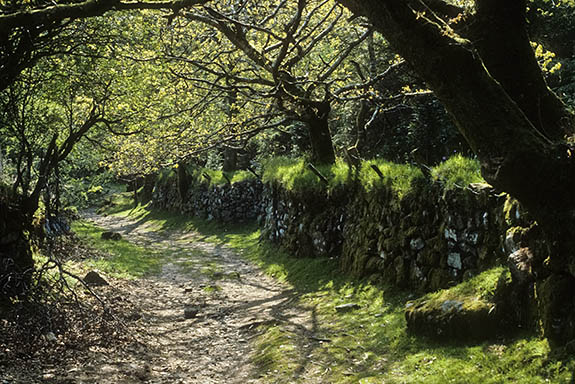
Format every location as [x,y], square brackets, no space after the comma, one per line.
[192,320]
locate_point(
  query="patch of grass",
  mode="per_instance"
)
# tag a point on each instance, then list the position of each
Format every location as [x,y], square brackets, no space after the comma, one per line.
[276,355]
[372,345]
[218,177]
[458,172]
[198,176]
[481,287]
[399,176]
[295,176]
[214,288]
[125,260]
[117,202]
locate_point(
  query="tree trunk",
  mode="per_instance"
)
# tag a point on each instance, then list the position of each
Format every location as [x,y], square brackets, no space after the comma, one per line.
[147,188]
[317,121]
[183,181]
[516,157]
[230,159]
[511,61]
[511,120]
[16,263]
[321,143]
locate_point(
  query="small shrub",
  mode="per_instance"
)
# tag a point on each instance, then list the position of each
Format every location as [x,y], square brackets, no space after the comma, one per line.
[216,177]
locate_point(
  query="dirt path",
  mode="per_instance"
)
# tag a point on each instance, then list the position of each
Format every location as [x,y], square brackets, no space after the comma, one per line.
[224,297]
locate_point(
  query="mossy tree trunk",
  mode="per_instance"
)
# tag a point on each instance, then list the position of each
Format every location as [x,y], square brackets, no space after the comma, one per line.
[484,72]
[230,159]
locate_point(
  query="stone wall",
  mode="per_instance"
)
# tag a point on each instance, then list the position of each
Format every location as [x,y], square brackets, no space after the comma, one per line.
[430,238]
[427,239]
[237,202]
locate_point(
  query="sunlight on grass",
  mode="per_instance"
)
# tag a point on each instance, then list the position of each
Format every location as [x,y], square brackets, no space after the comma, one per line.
[399,176]
[276,355]
[125,260]
[372,344]
[458,172]
[295,176]
[118,202]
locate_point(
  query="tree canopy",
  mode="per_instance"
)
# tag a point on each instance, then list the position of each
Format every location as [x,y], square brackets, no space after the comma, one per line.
[137,86]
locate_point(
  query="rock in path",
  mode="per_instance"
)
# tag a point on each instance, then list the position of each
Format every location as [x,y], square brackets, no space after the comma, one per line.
[94,279]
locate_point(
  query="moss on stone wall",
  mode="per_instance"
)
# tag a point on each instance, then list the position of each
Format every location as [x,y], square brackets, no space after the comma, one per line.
[380,219]
[457,172]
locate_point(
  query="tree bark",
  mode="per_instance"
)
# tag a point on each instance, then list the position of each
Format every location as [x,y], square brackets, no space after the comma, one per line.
[183,181]
[511,120]
[320,139]
[516,157]
[230,159]
[499,33]
[16,263]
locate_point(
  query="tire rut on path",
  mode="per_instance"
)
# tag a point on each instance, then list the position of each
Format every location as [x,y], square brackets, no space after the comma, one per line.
[231,297]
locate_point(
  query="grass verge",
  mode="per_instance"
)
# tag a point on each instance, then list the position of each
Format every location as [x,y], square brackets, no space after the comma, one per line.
[121,258]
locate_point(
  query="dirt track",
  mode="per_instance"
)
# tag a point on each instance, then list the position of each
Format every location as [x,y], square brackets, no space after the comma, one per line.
[226,299]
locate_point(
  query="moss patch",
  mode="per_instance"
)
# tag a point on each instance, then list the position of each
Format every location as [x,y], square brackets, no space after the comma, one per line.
[198,176]
[466,311]
[295,176]
[398,176]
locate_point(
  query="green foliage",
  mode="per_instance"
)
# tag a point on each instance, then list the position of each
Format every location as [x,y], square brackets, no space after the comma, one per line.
[83,192]
[294,175]
[216,177]
[458,172]
[166,175]
[198,176]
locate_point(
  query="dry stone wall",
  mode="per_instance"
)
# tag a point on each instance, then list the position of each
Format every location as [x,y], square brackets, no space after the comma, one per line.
[237,202]
[427,239]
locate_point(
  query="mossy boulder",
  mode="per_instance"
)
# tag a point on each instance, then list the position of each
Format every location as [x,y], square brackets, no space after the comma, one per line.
[556,301]
[467,311]
[461,319]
